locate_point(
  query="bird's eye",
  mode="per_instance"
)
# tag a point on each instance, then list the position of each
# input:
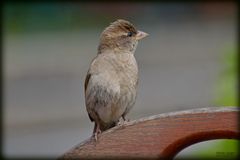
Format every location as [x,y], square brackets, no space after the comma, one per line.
[129,34]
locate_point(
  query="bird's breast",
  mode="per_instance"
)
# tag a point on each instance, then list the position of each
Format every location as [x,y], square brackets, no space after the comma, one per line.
[127,72]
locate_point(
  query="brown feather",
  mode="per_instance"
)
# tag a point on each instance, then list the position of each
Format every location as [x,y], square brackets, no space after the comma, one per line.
[122,25]
[85,88]
[115,33]
[86,82]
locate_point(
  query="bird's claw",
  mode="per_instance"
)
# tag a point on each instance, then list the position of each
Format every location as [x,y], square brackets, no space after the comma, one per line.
[123,121]
[96,134]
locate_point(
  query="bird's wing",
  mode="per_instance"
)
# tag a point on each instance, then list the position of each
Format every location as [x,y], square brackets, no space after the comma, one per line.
[85,88]
[100,95]
[86,81]
[102,89]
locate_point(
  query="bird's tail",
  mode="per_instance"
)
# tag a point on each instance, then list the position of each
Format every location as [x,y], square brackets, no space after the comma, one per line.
[108,126]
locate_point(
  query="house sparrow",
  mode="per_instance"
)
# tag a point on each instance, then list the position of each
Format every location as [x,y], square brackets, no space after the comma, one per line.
[111,81]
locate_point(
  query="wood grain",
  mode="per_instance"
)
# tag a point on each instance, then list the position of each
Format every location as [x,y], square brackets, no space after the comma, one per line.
[160,136]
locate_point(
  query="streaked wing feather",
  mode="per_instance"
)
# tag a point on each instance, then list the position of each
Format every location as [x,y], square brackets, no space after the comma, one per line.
[85,88]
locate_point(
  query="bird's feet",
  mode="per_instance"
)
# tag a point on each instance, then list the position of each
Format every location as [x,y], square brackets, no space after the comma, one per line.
[96,131]
[122,121]
[96,134]
[126,119]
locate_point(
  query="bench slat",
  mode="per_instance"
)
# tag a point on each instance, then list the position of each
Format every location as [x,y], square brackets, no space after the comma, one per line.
[160,136]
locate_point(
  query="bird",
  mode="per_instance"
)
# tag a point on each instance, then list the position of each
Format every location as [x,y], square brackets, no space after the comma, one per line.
[111,82]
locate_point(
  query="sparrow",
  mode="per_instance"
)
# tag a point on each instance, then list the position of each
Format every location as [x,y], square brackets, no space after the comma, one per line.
[111,82]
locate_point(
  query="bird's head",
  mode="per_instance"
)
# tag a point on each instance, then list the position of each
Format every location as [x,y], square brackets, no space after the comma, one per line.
[120,36]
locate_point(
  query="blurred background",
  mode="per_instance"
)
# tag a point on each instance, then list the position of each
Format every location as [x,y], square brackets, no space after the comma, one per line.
[187,61]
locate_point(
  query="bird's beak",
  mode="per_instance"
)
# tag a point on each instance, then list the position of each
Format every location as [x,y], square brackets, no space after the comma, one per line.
[141,35]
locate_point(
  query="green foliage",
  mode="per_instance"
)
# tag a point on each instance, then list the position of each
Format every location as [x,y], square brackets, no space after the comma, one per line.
[226,88]
[38,17]
[226,95]
[222,149]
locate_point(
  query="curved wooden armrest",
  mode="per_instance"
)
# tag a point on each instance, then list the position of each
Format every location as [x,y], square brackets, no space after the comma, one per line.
[160,136]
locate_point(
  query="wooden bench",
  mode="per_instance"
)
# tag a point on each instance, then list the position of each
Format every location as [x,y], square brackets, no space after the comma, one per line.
[160,136]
